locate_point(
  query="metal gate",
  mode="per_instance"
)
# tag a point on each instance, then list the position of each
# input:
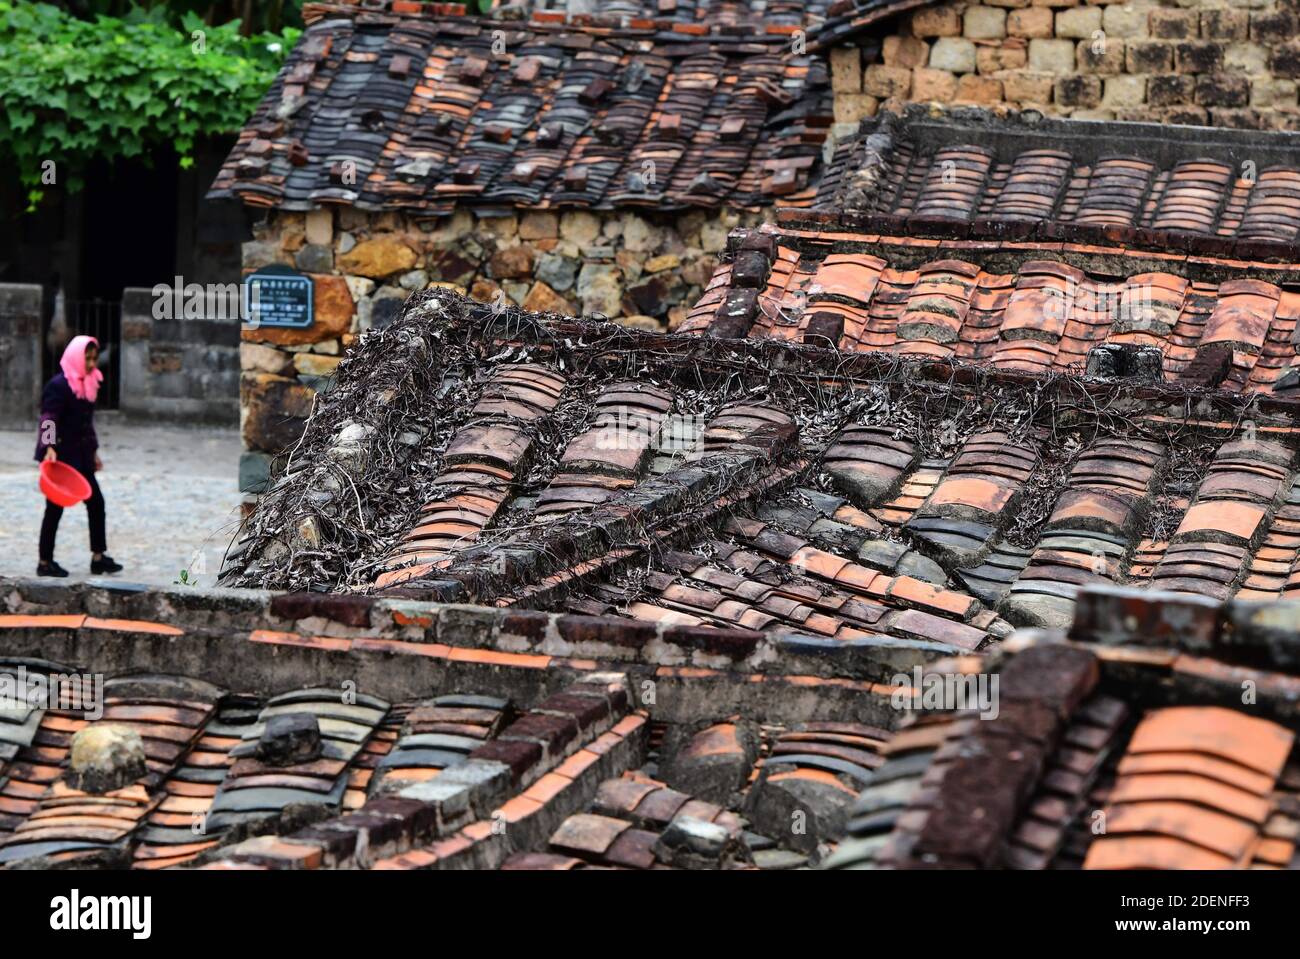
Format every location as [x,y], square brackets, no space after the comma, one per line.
[101,319]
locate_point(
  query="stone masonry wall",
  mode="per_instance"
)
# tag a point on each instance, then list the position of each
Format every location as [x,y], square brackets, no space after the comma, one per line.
[20,355]
[1231,63]
[641,270]
[185,370]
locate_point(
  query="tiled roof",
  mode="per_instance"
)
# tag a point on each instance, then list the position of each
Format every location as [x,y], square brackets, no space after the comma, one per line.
[865,460]
[1015,306]
[721,15]
[534,762]
[1083,767]
[391,109]
[969,174]
[935,520]
[1132,721]
[1195,787]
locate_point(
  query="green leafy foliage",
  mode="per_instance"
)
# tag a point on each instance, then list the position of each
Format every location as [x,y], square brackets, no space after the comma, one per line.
[74,90]
[255,15]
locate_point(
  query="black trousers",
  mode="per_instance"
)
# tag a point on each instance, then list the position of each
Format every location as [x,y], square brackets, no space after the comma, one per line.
[94,511]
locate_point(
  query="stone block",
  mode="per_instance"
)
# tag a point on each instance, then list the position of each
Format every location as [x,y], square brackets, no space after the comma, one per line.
[909,52]
[639,236]
[1238,118]
[1148,56]
[1125,21]
[320,227]
[885,81]
[1247,58]
[256,358]
[1027,87]
[275,410]
[854,108]
[542,299]
[1225,24]
[256,254]
[580,227]
[1286,60]
[942,21]
[539,225]
[1170,89]
[1051,56]
[984,23]
[1198,56]
[992,60]
[1101,56]
[1274,26]
[654,295]
[954,54]
[1222,90]
[1078,23]
[378,257]
[1171,24]
[1078,91]
[313,258]
[1031,23]
[977,89]
[315,364]
[603,295]
[1272,92]
[846,70]
[671,261]
[1186,115]
[512,263]
[933,85]
[556,271]
[1125,91]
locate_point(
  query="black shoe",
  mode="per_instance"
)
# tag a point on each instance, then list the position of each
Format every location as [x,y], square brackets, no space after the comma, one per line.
[50,569]
[104,564]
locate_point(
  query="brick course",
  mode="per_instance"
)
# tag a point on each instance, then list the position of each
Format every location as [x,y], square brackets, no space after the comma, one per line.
[1215,61]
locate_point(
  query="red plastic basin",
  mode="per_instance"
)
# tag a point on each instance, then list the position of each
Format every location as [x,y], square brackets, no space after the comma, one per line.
[62,484]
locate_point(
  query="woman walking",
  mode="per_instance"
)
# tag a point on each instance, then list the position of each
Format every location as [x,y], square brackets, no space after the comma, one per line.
[67,434]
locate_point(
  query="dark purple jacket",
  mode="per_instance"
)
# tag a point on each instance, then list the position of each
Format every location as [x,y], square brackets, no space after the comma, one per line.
[70,420]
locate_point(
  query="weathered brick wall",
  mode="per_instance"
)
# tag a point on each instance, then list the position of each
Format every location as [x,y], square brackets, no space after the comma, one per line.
[185,370]
[1219,62]
[644,271]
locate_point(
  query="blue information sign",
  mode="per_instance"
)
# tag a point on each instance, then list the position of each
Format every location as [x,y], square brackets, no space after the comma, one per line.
[278,296]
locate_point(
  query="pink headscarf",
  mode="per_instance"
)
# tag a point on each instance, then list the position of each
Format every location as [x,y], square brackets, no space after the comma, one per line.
[73,365]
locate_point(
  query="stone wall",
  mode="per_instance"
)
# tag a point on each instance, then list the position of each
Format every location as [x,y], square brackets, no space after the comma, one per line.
[1231,63]
[184,370]
[642,270]
[20,355]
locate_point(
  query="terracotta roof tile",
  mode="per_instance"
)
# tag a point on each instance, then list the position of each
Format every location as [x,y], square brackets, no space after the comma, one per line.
[1048,318]
[1085,183]
[1251,742]
[1153,852]
[394,107]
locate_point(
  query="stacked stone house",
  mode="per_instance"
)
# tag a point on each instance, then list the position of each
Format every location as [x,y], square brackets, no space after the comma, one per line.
[594,164]
[570,164]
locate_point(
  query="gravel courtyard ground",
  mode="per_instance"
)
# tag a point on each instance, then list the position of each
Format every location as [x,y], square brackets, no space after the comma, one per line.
[172,496]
